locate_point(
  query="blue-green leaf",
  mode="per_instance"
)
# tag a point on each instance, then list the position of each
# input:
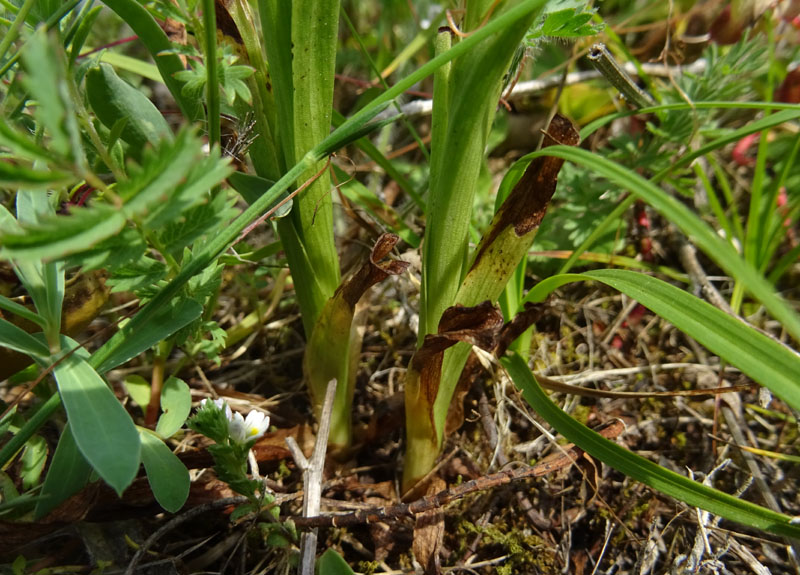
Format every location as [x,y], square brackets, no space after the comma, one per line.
[18,339]
[168,477]
[139,390]
[102,428]
[33,459]
[68,473]
[176,403]
[331,563]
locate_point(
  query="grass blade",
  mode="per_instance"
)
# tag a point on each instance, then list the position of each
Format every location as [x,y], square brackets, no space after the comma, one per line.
[698,231]
[641,469]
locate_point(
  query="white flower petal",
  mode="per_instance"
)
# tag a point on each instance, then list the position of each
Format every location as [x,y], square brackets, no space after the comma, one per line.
[237,429]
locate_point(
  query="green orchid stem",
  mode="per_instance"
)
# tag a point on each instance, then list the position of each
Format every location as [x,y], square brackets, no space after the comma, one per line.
[464,103]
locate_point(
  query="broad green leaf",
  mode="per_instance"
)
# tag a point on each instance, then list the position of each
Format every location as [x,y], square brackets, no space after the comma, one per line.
[331,563]
[155,40]
[102,428]
[8,223]
[763,359]
[139,390]
[8,491]
[168,477]
[18,339]
[137,274]
[176,403]
[568,23]
[113,100]
[641,469]
[719,250]
[113,253]
[166,322]
[34,456]
[67,474]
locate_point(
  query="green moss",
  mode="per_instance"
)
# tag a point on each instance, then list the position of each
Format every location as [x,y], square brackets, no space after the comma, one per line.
[368,567]
[582,413]
[526,552]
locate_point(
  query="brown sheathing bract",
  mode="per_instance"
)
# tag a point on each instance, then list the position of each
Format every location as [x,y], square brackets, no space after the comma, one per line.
[527,204]
[335,336]
[373,271]
[478,325]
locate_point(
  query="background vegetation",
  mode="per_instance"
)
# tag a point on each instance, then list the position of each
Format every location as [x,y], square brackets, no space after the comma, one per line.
[446,209]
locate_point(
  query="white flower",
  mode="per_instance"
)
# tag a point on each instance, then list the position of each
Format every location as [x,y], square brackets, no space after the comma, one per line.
[256,424]
[242,430]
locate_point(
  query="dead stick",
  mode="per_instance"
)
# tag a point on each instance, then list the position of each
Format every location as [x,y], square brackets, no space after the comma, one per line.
[550,464]
[312,479]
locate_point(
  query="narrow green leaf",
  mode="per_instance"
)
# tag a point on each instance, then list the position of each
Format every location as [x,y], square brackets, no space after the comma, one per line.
[134,65]
[641,469]
[43,280]
[82,32]
[176,403]
[701,234]
[22,146]
[18,339]
[168,477]
[102,428]
[763,359]
[21,311]
[15,176]
[58,236]
[166,321]
[68,473]
[5,420]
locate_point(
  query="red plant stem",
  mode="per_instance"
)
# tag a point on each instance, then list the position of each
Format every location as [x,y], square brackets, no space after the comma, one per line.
[109,45]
